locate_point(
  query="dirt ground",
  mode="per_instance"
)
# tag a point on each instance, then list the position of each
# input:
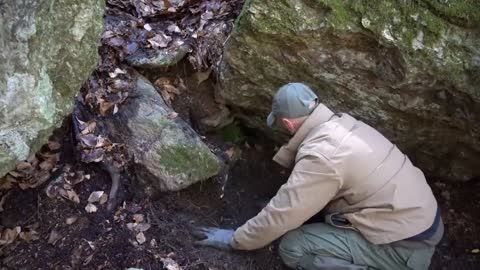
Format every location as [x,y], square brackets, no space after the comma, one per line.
[103,240]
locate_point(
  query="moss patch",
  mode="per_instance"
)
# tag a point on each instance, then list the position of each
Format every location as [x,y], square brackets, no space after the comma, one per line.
[178,159]
[232,133]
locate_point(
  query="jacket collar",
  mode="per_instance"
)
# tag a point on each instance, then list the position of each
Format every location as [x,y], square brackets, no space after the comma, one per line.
[286,155]
[320,115]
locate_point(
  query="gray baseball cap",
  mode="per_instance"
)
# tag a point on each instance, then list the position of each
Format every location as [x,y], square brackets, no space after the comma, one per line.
[291,101]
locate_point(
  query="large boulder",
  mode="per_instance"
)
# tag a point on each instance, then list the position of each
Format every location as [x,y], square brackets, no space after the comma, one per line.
[48,48]
[167,154]
[411,69]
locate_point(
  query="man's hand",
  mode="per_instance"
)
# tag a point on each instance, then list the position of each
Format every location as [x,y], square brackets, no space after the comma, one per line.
[214,237]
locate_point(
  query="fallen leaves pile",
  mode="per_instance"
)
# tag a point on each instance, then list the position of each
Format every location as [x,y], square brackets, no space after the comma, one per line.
[32,172]
[63,185]
[201,26]
[168,89]
[97,148]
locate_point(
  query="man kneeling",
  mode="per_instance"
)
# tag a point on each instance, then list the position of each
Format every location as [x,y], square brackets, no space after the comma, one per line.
[380,211]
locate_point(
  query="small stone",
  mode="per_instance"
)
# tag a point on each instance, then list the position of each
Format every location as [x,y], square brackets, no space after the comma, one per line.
[140,238]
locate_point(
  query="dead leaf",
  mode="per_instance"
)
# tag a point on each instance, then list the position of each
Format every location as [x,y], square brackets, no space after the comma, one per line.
[140,238]
[142,227]
[138,227]
[95,155]
[160,40]
[71,220]
[201,76]
[23,166]
[54,145]
[29,236]
[16,174]
[170,264]
[73,196]
[46,165]
[172,115]
[91,208]
[102,142]
[116,42]
[89,127]
[95,196]
[108,34]
[167,90]
[138,218]
[91,245]
[3,199]
[115,73]
[103,199]
[174,28]
[89,140]
[7,182]
[105,106]
[88,260]
[230,152]
[9,235]
[131,226]
[153,243]
[53,237]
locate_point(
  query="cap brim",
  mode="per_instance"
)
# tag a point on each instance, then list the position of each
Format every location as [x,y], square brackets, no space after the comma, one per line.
[271,120]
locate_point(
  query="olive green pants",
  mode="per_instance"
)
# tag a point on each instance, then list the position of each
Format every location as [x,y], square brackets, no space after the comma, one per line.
[321,246]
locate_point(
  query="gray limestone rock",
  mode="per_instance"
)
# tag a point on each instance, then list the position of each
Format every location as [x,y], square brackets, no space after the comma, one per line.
[411,70]
[48,48]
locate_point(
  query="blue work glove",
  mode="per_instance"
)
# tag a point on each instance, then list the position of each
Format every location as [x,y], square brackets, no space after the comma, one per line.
[214,237]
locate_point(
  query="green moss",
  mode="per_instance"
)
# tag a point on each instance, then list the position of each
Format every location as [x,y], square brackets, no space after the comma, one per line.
[464,13]
[232,133]
[178,159]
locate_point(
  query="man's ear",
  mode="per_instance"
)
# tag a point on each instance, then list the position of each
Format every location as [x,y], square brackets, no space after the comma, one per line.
[288,124]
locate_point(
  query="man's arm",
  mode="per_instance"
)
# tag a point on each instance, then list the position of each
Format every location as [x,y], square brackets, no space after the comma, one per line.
[312,184]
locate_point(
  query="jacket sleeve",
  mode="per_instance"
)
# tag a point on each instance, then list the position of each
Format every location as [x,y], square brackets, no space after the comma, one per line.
[312,184]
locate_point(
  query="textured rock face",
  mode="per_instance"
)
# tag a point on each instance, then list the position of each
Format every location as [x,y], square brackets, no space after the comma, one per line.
[48,48]
[411,70]
[168,154]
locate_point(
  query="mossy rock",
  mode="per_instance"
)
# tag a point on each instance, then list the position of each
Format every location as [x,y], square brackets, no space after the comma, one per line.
[168,155]
[408,68]
[48,50]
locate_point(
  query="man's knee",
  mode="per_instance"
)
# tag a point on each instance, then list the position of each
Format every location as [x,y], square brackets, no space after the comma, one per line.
[290,248]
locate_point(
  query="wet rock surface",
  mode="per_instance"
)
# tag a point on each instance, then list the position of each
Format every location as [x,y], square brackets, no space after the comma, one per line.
[47,52]
[411,71]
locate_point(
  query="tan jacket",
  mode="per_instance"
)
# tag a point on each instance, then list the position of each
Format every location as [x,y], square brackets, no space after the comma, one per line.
[350,168]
